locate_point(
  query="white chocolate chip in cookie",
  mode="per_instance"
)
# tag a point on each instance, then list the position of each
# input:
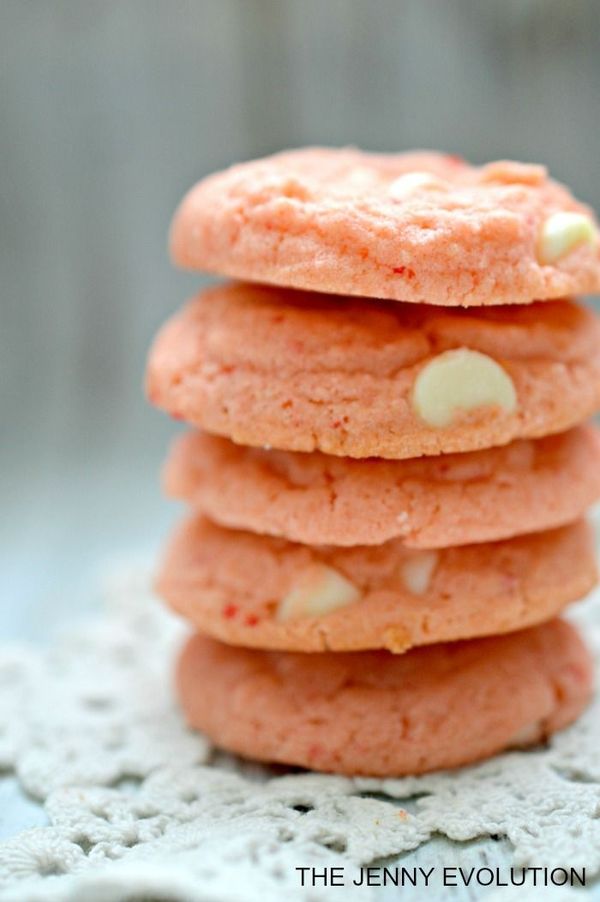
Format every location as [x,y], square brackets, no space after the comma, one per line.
[461,380]
[563,232]
[319,591]
[412,182]
[527,735]
[417,571]
[361,177]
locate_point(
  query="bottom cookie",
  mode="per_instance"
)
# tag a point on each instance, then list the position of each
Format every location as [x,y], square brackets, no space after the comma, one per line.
[380,714]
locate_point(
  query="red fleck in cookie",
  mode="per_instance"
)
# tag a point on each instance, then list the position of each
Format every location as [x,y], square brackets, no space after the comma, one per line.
[420,227]
[433,502]
[386,715]
[269,593]
[306,372]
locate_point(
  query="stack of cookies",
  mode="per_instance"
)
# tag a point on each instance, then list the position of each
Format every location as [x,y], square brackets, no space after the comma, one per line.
[389,461]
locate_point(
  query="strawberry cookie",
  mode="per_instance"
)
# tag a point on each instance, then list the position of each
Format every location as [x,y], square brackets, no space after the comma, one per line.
[421,227]
[432,502]
[264,592]
[386,715]
[359,378]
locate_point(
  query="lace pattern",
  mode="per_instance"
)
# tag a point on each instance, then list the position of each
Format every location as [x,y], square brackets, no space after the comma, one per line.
[138,806]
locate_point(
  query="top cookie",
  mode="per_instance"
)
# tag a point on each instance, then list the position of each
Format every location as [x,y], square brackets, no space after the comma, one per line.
[420,227]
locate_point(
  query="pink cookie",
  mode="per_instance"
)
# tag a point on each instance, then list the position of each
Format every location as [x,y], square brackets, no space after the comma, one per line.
[386,715]
[306,372]
[454,499]
[269,593]
[420,227]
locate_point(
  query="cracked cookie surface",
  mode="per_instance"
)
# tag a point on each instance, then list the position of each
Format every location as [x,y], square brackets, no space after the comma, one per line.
[419,227]
[453,499]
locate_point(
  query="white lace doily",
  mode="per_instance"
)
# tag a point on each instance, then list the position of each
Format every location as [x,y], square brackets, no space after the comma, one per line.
[140,808]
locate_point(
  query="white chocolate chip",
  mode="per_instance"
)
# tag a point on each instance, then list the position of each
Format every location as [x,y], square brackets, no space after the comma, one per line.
[527,735]
[562,233]
[408,184]
[417,571]
[319,591]
[402,519]
[361,177]
[461,380]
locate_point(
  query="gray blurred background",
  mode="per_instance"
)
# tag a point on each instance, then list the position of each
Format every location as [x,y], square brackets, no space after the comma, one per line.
[110,110]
